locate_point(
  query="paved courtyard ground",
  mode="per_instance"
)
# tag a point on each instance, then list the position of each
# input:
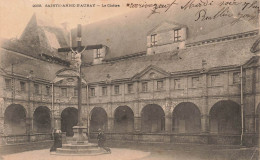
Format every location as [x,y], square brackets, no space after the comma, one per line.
[145,154]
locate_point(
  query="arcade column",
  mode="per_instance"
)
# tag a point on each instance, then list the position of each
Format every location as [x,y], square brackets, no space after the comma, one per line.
[137,124]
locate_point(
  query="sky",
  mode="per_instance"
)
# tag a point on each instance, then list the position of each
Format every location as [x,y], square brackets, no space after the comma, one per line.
[15,14]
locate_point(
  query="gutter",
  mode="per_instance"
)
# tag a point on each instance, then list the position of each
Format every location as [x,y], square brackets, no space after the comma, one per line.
[242,105]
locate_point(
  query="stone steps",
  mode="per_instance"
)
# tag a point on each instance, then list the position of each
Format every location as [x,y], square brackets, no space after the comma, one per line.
[74,151]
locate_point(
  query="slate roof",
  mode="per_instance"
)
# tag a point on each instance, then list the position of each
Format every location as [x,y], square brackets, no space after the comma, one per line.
[229,53]
[126,34]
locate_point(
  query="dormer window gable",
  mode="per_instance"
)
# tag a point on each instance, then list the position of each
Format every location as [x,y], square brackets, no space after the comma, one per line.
[99,53]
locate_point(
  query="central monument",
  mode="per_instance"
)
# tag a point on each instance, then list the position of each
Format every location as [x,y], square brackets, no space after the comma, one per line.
[79,144]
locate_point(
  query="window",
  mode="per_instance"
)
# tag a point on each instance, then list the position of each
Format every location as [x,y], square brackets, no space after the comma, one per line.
[75,92]
[159,85]
[98,53]
[144,87]
[236,78]
[215,80]
[130,88]
[47,90]
[22,86]
[64,92]
[177,84]
[195,82]
[36,89]
[92,92]
[116,89]
[154,39]
[8,84]
[104,91]
[177,35]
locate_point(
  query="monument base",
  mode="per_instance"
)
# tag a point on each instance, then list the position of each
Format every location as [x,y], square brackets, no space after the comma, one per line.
[79,144]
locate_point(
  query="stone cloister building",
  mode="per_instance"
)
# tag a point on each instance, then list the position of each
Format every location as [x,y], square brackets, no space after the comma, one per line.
[153,80]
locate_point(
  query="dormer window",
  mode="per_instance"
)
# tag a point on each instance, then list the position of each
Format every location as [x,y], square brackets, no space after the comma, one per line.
[98,53]
[154,39]
[177,36]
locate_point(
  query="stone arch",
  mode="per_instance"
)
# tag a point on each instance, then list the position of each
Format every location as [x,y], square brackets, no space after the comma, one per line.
[15,119]
[123,119]
[225,117]
[42,120]
[98,119]
[152,118]
[186,118]
[69,118]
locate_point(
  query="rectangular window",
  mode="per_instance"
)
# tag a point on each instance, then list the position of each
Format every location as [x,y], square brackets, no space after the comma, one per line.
[22,86]
[177,84]
[75,92]
[48,90]
[144,86]
[92,92]
[64,92]
[215,80]
[104,91]
[36,89]
[159,85]
[98,53]
[116,89]
[195,82]
[130,88]
[236,78]
[8,84]
[177,35]
[154,39]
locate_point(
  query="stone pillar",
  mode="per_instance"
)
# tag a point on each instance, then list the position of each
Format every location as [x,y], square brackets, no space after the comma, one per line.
[1,129]
[249,124]
[168,123]
[137,124]
[29,125]
[110,126]
[57,122]
[205,123]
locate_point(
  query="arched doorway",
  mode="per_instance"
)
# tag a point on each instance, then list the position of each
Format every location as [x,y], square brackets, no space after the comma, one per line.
[186,118]
[98,119]
[152,118]
[225,117]
[124,119]
[42,120]
[15,119]
[69,118]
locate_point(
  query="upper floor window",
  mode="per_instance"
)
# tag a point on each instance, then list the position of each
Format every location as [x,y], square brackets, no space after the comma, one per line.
[92,92]
[177,35]
[195,82]
[64,92]
[130,88]
[48,90]
[144,86]
[154,39]
[98,53]
[159,85]
[236,78]
[8,84]
[177,84]
[22,86]
[215,80]
[104,91]
[116,89]
[36,89]
[75,92]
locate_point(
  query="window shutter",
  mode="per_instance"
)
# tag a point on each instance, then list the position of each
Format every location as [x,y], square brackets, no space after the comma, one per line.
[149,41]
[183,33]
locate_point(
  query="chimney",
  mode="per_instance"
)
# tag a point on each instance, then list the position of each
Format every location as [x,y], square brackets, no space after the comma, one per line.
[79,35]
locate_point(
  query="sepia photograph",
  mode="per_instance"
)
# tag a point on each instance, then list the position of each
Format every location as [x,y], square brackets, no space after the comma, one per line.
[129,80]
